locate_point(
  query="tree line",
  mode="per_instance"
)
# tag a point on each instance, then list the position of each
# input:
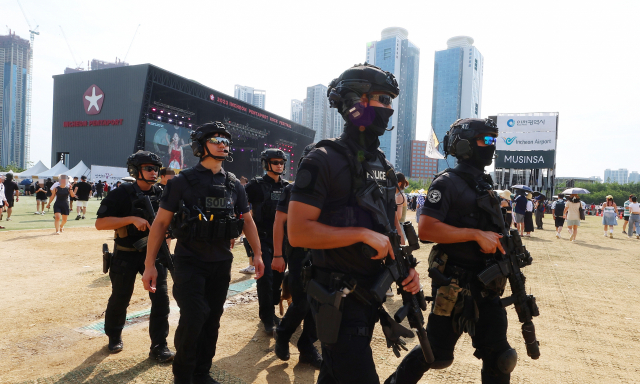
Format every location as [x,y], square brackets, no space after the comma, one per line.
[599,192]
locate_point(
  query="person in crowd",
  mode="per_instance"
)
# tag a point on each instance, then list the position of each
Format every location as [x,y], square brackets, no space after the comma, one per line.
[528,216]
[11,192]
[505,206]
[203,259]
[609,215]
[539,211]
[520,209]
[3,198]
[419,204]
[571,214]
[634,217]
[593,209]
[99,190]
[61,194]
[557,209]
[263,193]
[72,187]
[106,189]
[82,190]
[166,174]
[401,197]
[41,198]
[626,214]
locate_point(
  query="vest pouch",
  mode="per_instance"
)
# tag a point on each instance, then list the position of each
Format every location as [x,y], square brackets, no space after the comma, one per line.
[446,299]
[234,228]
[371,199]
[219,229]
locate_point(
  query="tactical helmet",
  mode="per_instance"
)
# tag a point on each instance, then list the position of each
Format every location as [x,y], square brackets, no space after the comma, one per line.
[137,159]
[271,153]
[361,79]
[204,132]
[458,140]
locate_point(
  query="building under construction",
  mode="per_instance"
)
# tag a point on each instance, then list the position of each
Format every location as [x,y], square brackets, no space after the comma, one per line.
[16,57]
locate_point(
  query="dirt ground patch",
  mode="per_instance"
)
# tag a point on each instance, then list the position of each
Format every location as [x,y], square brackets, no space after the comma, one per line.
[53,285]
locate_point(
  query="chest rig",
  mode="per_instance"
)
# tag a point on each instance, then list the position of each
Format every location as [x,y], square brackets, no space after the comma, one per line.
[368,187]
[137,210]
[209,214]
[264,212]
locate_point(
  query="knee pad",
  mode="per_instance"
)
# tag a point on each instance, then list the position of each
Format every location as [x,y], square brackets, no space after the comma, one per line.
[507,360]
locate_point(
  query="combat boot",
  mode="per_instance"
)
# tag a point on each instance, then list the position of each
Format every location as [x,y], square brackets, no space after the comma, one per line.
[311,356]
[115,345]
[162,353]
[282,347]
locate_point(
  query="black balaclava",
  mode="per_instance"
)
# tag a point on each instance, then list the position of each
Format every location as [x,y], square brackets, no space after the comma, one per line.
[481,156]
[375,120]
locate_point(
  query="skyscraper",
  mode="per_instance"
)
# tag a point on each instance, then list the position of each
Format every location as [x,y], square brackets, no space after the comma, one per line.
[297,111]
[396,54]
[15,100]
[255,97]
[457,86]
[316,112]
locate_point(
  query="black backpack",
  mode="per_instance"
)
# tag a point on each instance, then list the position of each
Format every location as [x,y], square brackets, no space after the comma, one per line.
[559,210]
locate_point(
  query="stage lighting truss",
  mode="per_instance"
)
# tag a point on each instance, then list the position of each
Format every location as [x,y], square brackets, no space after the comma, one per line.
[285,143]
[173,115]
[244,132]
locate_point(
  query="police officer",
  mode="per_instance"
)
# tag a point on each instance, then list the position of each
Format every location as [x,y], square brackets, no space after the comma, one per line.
[263,194]
[299,308]
[210,208]
[122,211]
[452,218]
[325,216]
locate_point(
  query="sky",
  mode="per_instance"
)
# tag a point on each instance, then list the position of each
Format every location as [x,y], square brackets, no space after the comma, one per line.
[576,58]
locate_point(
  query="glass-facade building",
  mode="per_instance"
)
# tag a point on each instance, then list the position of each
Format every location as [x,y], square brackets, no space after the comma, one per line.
[396,54]
[457,86]
[15,100]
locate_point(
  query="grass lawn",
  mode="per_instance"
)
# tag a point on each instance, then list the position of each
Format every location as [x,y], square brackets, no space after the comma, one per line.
[23,216]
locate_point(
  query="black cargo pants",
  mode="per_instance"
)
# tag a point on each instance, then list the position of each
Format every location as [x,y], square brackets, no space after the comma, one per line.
[125,266]
[490,339]
[200,289]
[299,308]
[350,359]
[269,285]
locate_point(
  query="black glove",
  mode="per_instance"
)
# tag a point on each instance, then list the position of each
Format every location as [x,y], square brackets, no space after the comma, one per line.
[393,332]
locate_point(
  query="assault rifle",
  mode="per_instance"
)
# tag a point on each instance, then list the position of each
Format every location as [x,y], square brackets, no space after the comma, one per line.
[164,255]
[509,266]
[397,270]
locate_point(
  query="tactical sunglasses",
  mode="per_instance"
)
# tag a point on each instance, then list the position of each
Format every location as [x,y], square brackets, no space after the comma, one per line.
[151,168]
[382,99]
[277,162]
[219,140]
[489,140]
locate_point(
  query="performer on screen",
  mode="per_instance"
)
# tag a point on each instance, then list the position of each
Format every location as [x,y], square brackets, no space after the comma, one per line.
[176,158]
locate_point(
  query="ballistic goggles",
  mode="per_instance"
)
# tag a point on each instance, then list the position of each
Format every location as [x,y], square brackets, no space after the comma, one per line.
[219,140]
[277,162]
[151,168]
[489,140]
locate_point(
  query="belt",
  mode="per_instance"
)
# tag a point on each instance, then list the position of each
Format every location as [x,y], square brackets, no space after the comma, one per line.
[127,249]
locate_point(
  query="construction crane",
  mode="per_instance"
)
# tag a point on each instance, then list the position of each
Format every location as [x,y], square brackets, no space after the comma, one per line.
[134,37]
[32,32]
[69,46]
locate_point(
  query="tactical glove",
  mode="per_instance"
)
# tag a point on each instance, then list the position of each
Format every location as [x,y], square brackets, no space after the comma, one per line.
[393,332]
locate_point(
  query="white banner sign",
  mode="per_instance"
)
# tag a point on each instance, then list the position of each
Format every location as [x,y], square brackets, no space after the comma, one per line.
[512,123]
[526,141]
[432,148]
[110,174]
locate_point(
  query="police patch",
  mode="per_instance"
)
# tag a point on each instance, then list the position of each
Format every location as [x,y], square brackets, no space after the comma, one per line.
[434,196]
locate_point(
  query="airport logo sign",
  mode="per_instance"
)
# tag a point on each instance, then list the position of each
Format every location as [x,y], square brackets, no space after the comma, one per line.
[511,123]
[509,140]
[93,98]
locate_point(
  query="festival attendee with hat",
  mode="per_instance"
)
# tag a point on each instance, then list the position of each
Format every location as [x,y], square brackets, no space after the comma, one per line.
[609,215]
[505,206]
[634,217]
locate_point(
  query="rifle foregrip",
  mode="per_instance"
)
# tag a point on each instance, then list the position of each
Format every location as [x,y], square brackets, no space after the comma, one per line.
[369,251]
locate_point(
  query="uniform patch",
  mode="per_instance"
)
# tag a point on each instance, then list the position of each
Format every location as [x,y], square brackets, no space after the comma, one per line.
[216,202]
[434,196]
[275,195]
[306,177]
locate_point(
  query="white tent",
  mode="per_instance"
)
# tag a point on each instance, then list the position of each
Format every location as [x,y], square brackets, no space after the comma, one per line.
[53,172]
[29,173]
[79,170]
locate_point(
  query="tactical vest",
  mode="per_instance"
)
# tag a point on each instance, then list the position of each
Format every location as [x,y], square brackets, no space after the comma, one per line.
[365,191]
[213,216]
[264,212]
[488,215]
[137,210]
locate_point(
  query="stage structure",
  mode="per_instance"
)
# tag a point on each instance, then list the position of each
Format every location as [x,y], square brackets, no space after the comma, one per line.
[526,150]
[101,117]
